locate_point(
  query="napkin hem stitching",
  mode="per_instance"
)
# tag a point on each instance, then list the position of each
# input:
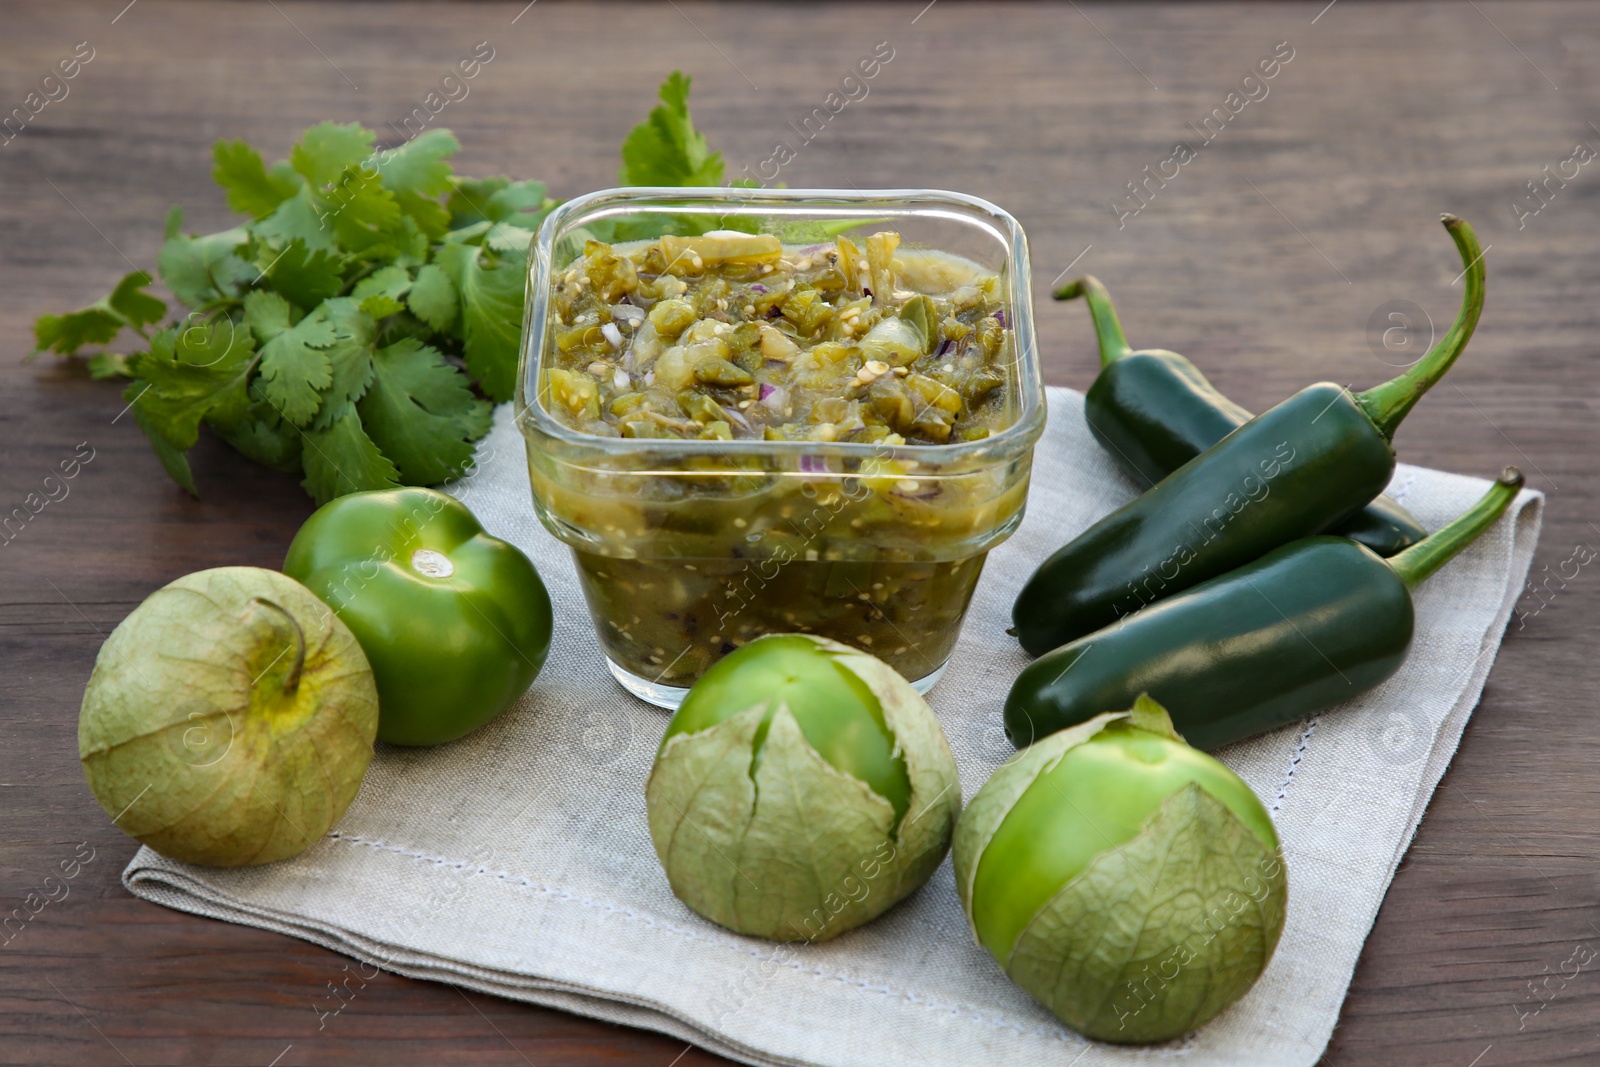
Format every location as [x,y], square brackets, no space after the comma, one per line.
[1294,761]
[1400,494]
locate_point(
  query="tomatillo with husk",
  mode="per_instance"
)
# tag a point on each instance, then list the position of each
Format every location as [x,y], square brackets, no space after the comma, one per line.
[455,622]
[1133,884]
[802,788]
[229,720]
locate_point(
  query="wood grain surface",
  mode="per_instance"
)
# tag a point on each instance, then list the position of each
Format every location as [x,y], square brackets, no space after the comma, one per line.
[1263,259]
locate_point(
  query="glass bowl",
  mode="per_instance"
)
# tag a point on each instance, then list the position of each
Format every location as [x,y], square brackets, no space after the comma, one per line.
[687,549]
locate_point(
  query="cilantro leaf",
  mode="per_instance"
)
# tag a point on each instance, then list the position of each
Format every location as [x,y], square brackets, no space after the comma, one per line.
[100,322]
[108,365]
[251,189]
[259,434]
[172,458]
[266,314]
[362,212]
[522,203]
[506,238]
[498,200]
[67,333]
[491,291]
[192,369]
[422,414]
[305,275]
[409,245]
[204,270]
[667,149]
[429,216]
[301,217]
[295,367]
[343,459]
[379,292]
[349,358]
[417,174]
[381,305]
[137,308]
[270,442]
[327,149]
[469,200]
[432,297]
[189,374]
[419,166]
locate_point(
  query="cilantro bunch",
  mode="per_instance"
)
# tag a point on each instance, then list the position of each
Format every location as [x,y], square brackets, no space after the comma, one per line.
[358,326]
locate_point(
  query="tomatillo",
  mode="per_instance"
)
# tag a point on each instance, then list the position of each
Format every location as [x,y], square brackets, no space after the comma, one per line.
[229,719]
[455,623]
[801,789]
[1133,884]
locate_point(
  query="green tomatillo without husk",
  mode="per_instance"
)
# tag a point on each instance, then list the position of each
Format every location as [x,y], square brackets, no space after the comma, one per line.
[229,720]
[1133,884]
[801,789]
[455,623]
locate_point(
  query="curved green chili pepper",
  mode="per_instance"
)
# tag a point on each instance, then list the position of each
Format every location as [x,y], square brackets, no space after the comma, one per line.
[1295,470]
[1154,411]
[1314,623]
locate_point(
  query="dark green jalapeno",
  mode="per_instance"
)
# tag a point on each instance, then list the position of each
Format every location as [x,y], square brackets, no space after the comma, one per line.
[1154,411]
[1316,622]
[1295,470]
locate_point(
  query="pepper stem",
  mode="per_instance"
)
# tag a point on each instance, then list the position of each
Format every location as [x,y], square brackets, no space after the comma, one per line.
[1113,342]
[1415,564]
[1387,404]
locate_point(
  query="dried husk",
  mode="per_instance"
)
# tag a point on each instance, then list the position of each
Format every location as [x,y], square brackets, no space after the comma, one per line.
[1157,934]
[229,720]
[799,851]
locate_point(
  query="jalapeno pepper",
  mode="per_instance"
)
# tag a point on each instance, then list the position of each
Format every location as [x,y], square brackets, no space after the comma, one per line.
[1295,470]
[1311,624]
[1154,411]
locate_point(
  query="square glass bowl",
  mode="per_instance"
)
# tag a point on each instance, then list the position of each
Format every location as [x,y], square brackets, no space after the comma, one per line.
[687,549]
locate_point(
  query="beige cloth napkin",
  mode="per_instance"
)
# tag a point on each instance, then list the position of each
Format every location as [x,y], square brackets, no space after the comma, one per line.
[517,860]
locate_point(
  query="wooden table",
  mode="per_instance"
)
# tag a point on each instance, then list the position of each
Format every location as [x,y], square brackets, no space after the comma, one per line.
[1263,258]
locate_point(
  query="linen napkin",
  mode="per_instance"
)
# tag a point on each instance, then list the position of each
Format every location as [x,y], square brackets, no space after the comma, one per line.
[517,860]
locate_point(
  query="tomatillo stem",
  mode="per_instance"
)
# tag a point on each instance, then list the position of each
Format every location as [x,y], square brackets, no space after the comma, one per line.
[1387,404]
[1416,563]
[1113,342]
[292,681]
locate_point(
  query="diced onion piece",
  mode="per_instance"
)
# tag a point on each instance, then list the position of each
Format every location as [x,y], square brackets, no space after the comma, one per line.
[629,313]
[612,334]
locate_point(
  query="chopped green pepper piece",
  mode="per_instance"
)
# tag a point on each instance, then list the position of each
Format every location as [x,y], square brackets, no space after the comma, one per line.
[672,317]
[721,372]
[578,393]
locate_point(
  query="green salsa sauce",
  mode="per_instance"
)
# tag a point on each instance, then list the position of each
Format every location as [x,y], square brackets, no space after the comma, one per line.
[732,335]
[738,337]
